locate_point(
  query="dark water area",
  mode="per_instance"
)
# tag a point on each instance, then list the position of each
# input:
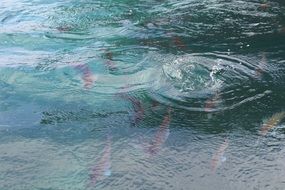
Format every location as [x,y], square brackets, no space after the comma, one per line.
[147,94]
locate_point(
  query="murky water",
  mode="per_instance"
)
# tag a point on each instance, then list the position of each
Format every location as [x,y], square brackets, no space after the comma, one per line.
[147,94]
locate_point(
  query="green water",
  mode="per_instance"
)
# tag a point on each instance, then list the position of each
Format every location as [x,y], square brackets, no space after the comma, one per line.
[147,94]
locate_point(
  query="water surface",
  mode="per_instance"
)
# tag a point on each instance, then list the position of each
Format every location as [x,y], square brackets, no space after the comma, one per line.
[147,94]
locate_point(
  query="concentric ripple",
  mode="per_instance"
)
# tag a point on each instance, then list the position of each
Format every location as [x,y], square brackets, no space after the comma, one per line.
[192,81]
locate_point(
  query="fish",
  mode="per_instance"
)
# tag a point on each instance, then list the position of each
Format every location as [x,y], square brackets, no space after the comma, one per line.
[178,42]
[103,166]
[219,157]
[87,75]
[263,62]
[154,104]
[139,111]
[161,136]
[282,30]
[264,6]
[212,102]
[272,122]
[63,28]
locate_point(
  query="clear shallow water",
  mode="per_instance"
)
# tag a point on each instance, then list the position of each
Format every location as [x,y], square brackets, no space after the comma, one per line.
[142,94]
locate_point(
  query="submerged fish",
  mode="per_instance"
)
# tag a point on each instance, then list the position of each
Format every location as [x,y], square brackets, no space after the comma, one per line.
[137,106]
[212,102]
[154,104]
[178,42]
[219,157]
[87,75]
[272,122]
[160,137]
[264,6]
[138,109]
[63,28]
[103,167]
[282,30]
[259,71]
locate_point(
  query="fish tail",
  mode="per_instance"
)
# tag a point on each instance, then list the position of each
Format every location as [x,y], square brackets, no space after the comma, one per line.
[214,165]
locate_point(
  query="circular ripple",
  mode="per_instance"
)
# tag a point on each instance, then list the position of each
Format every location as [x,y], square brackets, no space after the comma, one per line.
[207,82]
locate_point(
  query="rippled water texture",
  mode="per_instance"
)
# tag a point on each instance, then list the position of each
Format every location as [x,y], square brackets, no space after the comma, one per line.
[148,94]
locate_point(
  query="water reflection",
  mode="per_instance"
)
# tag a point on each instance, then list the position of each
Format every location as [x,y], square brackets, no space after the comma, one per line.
[72,70]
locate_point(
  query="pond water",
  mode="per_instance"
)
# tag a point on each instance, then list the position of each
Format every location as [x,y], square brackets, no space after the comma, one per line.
[146,94]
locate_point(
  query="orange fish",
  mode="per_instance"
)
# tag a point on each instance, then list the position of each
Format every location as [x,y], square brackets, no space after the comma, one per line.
[138,109]
[87,75]
[272,122]
[136,104]
[103,167]
[212,102]
[264,6]
[178,42]
[219,157]
[160,136]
